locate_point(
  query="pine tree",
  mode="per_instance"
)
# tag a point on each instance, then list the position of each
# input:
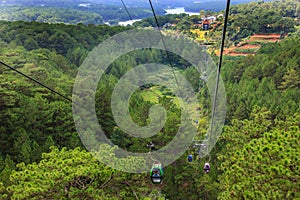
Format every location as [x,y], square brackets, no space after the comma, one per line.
[290,80]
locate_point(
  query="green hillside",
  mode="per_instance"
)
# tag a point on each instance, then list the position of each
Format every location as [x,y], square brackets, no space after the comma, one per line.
[73,14]
[49,15]
[42,157]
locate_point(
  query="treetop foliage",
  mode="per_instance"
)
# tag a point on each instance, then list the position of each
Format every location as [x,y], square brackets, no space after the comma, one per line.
[41,156]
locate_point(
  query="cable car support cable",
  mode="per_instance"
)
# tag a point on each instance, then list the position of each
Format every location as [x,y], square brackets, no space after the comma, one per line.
[220,65]
[163,41]
[208,136]
[36,81]
[127,11]
[43,85]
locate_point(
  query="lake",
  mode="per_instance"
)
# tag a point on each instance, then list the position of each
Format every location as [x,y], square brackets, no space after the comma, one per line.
[129,22]
[180,10]
[177,10]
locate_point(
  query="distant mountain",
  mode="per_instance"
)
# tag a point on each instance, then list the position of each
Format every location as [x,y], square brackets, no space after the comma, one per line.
[51,3]
[191,5]
[49,15]
[213,5]
[110,11]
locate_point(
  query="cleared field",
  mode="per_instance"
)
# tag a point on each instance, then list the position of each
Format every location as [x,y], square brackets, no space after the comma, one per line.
[252,45]
[154,93]
[201,35]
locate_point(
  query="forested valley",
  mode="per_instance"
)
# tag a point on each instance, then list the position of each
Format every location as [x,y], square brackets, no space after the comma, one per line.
[256,157]
[71,13]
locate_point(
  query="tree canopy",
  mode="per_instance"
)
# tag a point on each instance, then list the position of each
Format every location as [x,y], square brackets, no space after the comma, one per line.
[256,157]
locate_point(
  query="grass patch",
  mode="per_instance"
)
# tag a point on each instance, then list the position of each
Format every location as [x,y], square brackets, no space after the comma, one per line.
[245,50]
[154,93]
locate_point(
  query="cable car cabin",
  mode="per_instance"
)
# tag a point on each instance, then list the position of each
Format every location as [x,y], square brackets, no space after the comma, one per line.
[206,168]
[156,173]
[190,158]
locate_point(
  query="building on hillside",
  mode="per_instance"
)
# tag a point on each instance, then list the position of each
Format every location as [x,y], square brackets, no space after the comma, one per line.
[206,25]
[166,25]
[209,18]
[220,16]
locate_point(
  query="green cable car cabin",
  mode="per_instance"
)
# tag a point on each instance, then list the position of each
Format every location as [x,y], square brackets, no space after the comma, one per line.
[156,173]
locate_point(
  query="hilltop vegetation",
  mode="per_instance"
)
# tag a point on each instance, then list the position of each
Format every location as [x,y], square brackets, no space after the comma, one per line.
[72,13]
[270,80]
[281,17]
[270,17]
[49,15]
